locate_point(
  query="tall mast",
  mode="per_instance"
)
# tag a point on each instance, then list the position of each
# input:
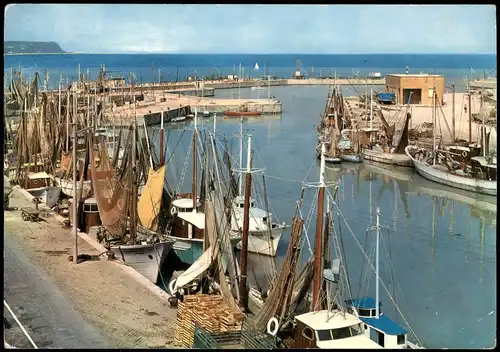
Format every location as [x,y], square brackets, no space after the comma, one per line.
[133,212]
[483,128]
[371,108]
[434,126]
[470,118]
[59,104]
[241,156]
[162,157]
[453,114]
[246,224]
[377,300]
[194,158]
[73,220]
[67,123]
[318,243]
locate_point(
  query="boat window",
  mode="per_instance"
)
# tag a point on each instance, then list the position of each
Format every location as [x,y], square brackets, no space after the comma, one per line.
[401,339]
[347,331]
[242,205]
[264,219]
[252,205]
[308,333]
[341,333]
[324,335]
[364,312]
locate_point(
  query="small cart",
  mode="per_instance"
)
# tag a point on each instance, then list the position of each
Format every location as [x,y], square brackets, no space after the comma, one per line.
[30,214]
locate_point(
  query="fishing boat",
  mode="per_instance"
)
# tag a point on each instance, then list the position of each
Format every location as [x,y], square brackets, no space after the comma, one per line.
[205,114]
[258,88]
[229,113]
[349,146]
[383,149]
[130,226]
[478,174]
[178,119]
[329,128]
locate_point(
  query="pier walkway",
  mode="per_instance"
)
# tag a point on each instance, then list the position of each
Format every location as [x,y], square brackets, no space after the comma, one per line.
[62,305]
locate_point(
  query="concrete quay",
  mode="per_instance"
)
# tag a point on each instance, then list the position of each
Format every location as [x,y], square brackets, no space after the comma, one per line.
[175,105]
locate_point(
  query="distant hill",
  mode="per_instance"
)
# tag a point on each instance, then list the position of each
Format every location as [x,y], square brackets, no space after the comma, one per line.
[22,47]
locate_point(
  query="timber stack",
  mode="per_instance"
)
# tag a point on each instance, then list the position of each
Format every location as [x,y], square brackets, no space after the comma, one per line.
[209,312]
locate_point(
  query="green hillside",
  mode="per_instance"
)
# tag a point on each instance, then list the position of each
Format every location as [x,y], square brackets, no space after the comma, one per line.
[23,47]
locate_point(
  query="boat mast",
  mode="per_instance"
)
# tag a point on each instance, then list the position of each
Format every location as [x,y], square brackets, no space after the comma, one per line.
[67,123]
[434,126]
[246,224]
[371,108]
[133,215]
[194,158]
[453,114]
[241,156]
[377,300]
[470,118]
[162,157]
[319,232]
[483,128]
[73,220]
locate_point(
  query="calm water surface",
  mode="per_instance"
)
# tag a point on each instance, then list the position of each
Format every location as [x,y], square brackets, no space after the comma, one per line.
[442,241]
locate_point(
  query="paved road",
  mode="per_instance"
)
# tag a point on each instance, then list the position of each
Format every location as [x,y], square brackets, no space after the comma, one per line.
[49,317]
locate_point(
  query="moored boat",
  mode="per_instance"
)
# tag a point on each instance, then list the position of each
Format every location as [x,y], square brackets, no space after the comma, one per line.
[457,178]
[229,113]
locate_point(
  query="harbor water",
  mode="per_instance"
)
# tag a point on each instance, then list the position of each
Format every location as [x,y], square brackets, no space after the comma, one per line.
[438,254]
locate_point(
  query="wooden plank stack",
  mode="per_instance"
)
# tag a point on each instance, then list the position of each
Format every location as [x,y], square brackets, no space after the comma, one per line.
[209,312]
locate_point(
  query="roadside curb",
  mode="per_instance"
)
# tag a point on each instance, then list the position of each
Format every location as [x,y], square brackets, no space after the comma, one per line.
[139,278]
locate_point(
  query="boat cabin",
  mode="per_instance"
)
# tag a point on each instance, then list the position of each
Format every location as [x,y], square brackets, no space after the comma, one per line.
[382,330]
[188,223]
[37,180]
[330,329]
[488,169]
[91,213]
[368,135]
[259,219]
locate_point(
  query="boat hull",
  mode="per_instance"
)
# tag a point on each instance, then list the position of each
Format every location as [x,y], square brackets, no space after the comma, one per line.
[145,259]
[241,114]
[452,180]
[353,158]
[67,187]
[258,242]
[49,195]
[387,158]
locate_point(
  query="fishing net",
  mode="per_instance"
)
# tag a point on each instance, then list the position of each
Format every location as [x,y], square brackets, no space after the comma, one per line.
[111,193]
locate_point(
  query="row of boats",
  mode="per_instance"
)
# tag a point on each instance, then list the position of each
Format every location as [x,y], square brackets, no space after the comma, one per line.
[466,165]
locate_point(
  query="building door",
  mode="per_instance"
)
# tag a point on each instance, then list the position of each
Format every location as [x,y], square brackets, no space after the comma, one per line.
[412,96]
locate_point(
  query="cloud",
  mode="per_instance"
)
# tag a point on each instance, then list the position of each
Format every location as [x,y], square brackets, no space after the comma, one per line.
[256,28]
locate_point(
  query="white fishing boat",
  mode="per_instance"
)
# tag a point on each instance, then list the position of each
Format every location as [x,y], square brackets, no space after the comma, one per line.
[256,67]
[458,178]
[478,175]
[378,155]
[205,114]
[263,234]
[66,186]
[178,119]
[258,88]
[349,146]
[147,259]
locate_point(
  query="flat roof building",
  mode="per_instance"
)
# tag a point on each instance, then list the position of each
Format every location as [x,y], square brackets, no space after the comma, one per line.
[415,88]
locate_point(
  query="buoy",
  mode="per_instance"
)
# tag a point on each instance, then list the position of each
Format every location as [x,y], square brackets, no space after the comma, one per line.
[173,211]
[171,287]
[274,331]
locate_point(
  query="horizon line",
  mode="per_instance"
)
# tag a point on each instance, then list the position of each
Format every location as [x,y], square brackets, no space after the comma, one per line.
[228,53]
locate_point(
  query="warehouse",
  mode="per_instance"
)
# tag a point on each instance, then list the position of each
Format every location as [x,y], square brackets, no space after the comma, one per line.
[415,88]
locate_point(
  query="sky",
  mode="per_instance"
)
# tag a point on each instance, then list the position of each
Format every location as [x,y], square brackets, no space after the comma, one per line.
[259,29]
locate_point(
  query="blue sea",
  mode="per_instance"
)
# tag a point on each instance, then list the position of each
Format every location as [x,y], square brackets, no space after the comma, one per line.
[171,67]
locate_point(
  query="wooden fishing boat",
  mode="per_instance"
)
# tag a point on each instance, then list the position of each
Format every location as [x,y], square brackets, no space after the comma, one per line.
[229,113]
[458,178]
